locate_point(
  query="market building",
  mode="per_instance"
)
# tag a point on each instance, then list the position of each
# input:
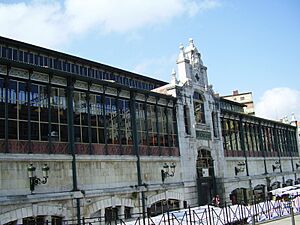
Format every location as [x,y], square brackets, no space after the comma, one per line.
[111,143]
[100,131]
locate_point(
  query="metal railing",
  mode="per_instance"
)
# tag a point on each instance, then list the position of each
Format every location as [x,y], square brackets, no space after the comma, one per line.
[202,215]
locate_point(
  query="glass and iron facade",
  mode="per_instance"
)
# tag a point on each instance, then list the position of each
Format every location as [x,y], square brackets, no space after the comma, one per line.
[245,135]
[51,101]
[72,65]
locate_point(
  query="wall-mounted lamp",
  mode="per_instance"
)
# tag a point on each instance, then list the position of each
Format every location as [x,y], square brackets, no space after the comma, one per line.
[167,171]
[34,180]
[276,165]
[297,165]
[239,168]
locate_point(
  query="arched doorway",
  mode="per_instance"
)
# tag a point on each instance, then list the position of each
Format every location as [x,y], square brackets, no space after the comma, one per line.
[275,185]
[240,196]
[259,193]
[205,176]
[289,182]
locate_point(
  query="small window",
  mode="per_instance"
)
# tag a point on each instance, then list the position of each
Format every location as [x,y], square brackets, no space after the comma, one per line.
[186,114]
[41,60]
[31,58]
[91,72]
[26,57]
[45,61]
[242,98]
[112,76]
[126,82]
[36,59]
[50,62]
[59,62]
[15,54]
[9,53]
[199,111]
[68,67]
[215,124]
[4,52]
[64,66]
[21,56]
[100,74]
[76,69]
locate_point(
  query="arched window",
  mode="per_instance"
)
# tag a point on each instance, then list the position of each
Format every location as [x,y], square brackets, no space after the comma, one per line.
[199,108]
[162,206]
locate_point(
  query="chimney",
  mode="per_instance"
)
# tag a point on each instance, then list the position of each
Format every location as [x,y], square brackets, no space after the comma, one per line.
[235,92]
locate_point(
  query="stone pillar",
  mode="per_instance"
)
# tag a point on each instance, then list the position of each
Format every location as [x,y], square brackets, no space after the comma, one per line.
[121,212]
[181,204]
[19,221]
[102,215]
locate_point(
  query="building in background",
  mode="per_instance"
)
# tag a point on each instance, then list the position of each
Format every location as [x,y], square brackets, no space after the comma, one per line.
[112,144]
[243,98]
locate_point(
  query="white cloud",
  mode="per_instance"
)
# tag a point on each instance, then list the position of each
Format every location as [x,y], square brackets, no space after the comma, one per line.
[38,22]
[53,23]
[277,103]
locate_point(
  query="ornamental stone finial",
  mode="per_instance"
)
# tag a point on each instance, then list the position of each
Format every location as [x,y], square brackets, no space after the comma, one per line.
[181,56]
[173,77]
[191,43]
[181,47]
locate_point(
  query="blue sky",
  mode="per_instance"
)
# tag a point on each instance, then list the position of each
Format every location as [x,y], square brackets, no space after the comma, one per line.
[249,45]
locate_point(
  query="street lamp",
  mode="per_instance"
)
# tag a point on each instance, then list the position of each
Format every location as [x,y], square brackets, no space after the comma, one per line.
[167,171]
[34,180]
[239,168]
[276,165]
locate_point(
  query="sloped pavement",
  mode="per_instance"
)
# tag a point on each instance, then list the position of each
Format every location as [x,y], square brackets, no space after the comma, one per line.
[283,221]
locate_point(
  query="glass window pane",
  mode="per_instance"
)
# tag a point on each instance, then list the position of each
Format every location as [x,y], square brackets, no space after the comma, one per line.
[23,130]
[2,130]
[85,134]
[94,135]
[101,135]
[77,134]
[54,132]
[34,131]
[63,133]
[44,131]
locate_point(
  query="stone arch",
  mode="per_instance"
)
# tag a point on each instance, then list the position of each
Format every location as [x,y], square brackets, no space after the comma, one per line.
[108,202]
[275,185]
[259,193]
[33,211]
[289,182]
[162,196]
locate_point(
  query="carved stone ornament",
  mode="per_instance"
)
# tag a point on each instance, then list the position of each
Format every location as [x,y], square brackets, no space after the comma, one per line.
[81,85]
[96,88]
[59,80]
[19,73]
[40,77]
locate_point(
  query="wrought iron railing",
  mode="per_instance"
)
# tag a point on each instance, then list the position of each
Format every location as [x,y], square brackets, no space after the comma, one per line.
[203,215]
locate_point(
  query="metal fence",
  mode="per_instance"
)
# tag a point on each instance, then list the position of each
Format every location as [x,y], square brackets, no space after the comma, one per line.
[203,215]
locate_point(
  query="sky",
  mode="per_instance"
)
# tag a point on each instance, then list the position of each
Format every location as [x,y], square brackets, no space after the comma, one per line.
[247,45]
